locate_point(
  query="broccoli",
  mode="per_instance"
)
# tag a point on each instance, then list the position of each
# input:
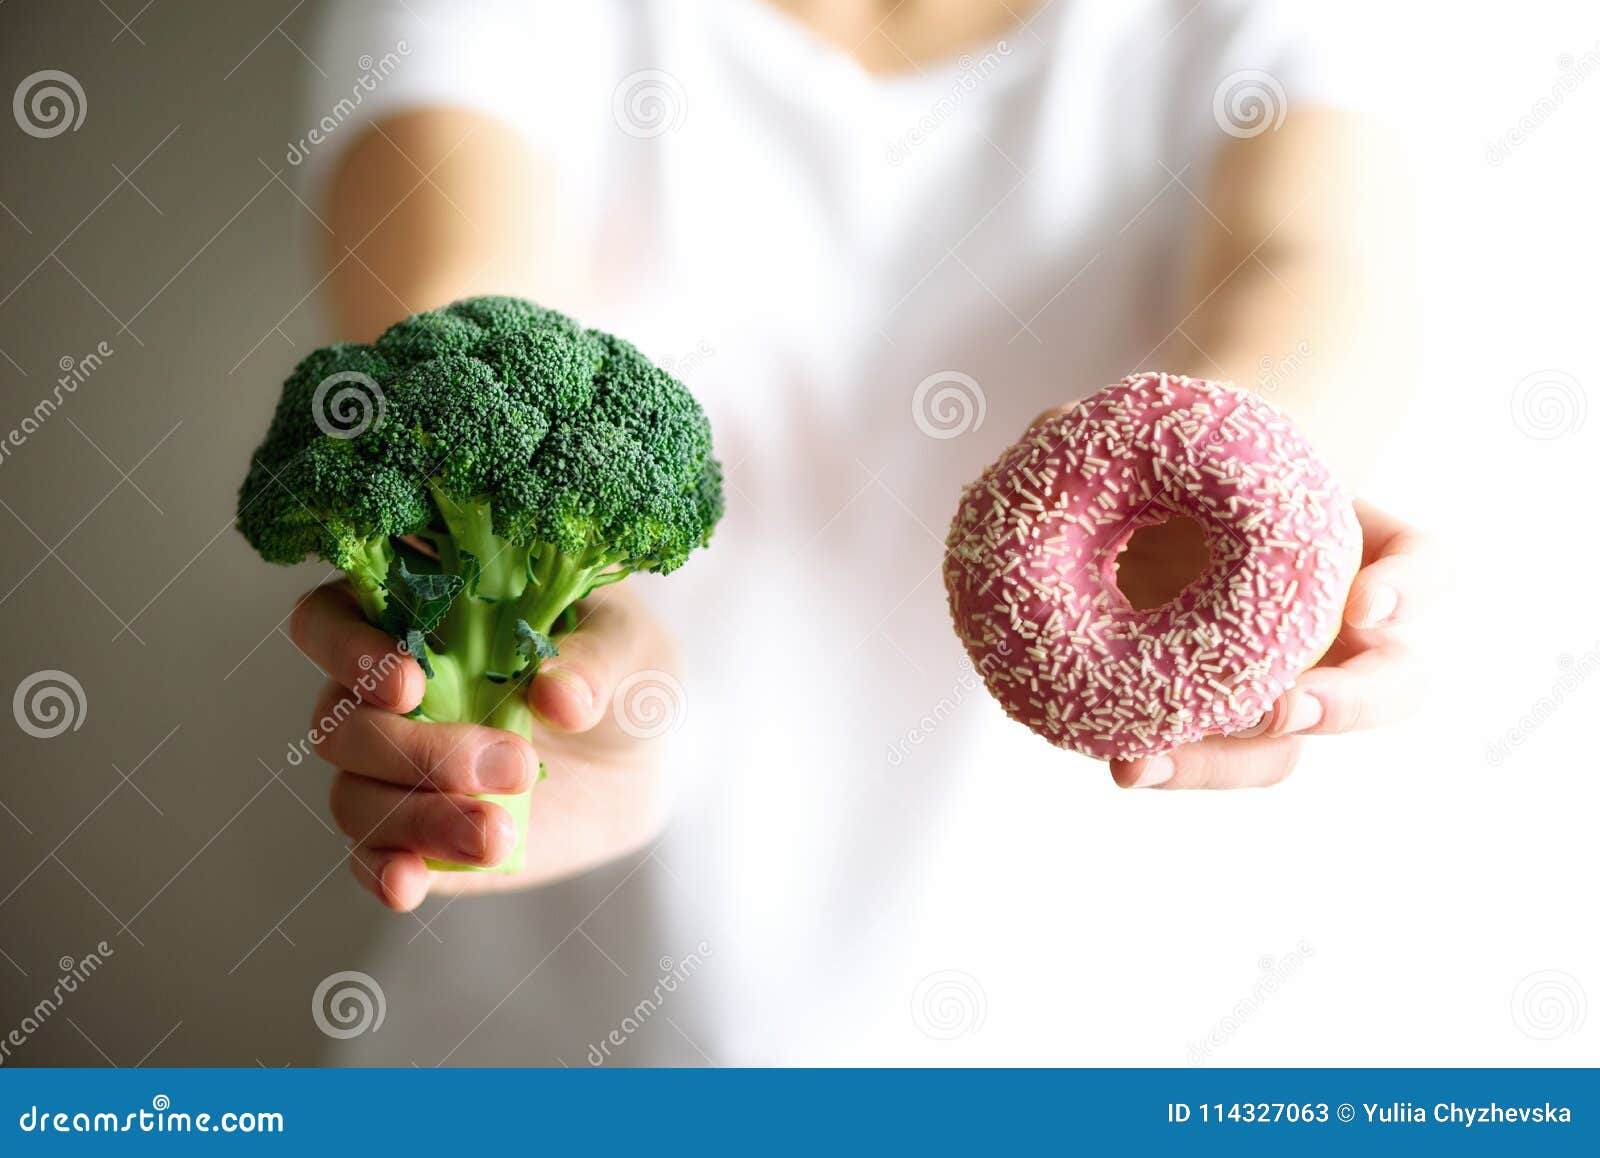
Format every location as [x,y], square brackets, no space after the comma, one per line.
[537,460]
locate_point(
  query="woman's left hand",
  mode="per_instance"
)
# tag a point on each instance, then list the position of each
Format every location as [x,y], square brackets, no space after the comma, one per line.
[1368,678]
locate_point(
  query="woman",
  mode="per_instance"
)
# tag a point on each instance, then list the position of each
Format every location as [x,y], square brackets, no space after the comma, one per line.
[876,241]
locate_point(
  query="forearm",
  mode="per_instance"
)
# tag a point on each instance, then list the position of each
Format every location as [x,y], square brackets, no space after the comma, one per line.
[429,207]
[1300,285]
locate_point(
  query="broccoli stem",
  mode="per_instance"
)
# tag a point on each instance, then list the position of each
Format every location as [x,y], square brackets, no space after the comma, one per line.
[367,573]
[511,712]
[561,580]
[503,567]
[467,632]
[480,676]
[445,697]
[503,704]
[476,620]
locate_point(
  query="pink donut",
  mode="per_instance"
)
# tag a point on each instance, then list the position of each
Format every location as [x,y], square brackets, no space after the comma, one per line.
[1030,567]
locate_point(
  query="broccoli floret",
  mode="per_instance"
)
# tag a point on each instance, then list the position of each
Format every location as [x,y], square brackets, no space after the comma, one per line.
[538,459]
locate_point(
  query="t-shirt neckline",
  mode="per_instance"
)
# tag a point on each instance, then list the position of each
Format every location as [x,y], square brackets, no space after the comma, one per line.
[789,51]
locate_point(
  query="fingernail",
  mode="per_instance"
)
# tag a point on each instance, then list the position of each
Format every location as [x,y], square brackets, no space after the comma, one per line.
[386,881]
[1380,605]
[579,685]
[1157,770]
[505,834]
[1305,712]
[388,689]
[413,684]
[469,833]
[502,768]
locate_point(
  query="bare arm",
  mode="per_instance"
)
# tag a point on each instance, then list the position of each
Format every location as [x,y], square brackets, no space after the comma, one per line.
[431,206]
[1299,286]
[1299,280]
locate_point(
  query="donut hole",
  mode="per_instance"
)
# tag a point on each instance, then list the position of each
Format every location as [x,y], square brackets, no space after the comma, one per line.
[1160,561]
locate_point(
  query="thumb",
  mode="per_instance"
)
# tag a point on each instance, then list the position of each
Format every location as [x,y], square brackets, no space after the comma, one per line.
[616,638]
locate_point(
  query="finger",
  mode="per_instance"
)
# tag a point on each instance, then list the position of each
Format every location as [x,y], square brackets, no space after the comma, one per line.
[1216,762]
[572,692]
[328,626]
[1401,571]
[446,827]
[1372,688]
[398,879]
[444,757]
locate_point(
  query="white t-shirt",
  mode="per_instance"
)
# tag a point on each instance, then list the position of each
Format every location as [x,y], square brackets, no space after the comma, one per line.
[872,284]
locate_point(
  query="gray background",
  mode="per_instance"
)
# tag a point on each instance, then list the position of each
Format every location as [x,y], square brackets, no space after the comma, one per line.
[169,824]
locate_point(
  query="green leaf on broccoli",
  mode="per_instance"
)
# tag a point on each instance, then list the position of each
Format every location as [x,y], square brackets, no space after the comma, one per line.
[471,572]
[533,645]
[417,604]
[414,645]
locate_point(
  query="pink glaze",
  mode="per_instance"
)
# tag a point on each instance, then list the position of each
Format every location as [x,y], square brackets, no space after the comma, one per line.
[1030,567]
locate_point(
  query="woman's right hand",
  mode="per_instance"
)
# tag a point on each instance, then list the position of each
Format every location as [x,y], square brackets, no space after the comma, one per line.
[406,789]
[1370,677]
